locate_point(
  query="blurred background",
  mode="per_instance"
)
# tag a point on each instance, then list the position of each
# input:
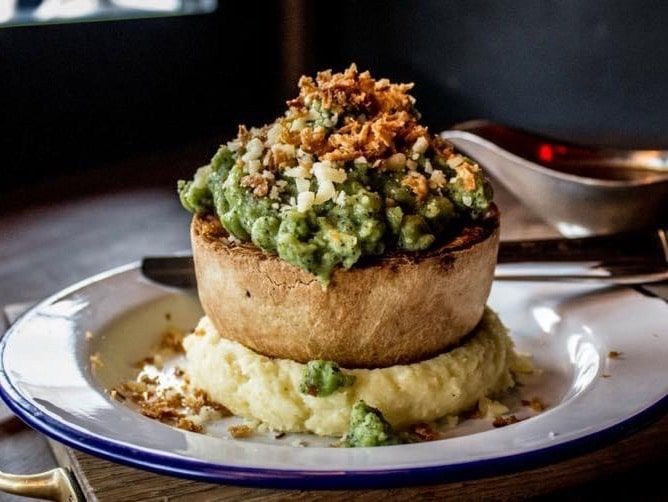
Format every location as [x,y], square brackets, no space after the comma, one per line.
[86,84]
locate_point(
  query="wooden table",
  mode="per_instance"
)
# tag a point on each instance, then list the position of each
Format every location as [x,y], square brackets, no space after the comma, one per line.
[119,213]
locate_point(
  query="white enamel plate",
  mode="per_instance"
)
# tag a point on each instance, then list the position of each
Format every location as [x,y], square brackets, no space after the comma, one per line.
[570,330]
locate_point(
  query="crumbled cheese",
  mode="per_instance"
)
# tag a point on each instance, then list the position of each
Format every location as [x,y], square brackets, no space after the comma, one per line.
[326,191]
[274,134]
[454,161]
[341,199]
[298,124]
[428,167]
[253,166]
[437,179]
[303,185]
[420,146]
[304,201]
[324,171]
[296,172]
[234,145]
[253,150]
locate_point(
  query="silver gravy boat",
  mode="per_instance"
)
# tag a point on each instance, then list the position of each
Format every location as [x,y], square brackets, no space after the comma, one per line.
[580,190]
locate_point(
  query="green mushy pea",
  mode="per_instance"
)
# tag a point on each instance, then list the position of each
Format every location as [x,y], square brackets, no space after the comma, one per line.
[323,378]
[347,172]
[375,213]
[368,427]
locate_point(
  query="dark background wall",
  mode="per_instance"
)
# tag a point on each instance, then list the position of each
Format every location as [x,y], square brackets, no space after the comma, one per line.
[585,70]
[74,96]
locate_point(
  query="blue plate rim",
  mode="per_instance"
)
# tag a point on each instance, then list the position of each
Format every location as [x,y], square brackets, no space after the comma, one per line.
[198,470]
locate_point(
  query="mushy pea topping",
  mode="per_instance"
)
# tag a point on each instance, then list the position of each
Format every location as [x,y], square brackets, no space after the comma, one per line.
[347,171]
[323,378]
[368,427]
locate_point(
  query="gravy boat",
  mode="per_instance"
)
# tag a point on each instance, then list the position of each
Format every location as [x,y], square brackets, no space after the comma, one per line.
[580,190]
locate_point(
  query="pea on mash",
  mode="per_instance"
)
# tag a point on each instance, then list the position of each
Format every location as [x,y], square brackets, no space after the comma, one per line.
[323,378]
[368,427]
[347,172]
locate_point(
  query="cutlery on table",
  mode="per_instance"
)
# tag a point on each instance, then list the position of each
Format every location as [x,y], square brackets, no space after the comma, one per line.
[628,258]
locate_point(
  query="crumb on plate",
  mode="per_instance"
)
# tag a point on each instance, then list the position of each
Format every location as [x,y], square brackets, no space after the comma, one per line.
[241,431]
[503,421]
[424,432]
[166,395]
[535,403]
[172,340]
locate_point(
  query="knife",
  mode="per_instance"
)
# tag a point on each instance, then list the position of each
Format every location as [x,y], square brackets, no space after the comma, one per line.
[629,258]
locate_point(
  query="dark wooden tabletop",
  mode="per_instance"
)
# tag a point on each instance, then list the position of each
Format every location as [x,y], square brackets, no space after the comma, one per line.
[58,232]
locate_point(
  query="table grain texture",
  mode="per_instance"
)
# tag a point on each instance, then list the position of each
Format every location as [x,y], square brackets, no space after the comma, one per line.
[55,233]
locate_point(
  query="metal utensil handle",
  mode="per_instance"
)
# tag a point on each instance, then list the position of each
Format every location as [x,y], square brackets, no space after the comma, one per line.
[55,484]
[619,280]
[604,273]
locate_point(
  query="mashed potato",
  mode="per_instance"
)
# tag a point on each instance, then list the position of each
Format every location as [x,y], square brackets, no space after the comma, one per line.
[258,387]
